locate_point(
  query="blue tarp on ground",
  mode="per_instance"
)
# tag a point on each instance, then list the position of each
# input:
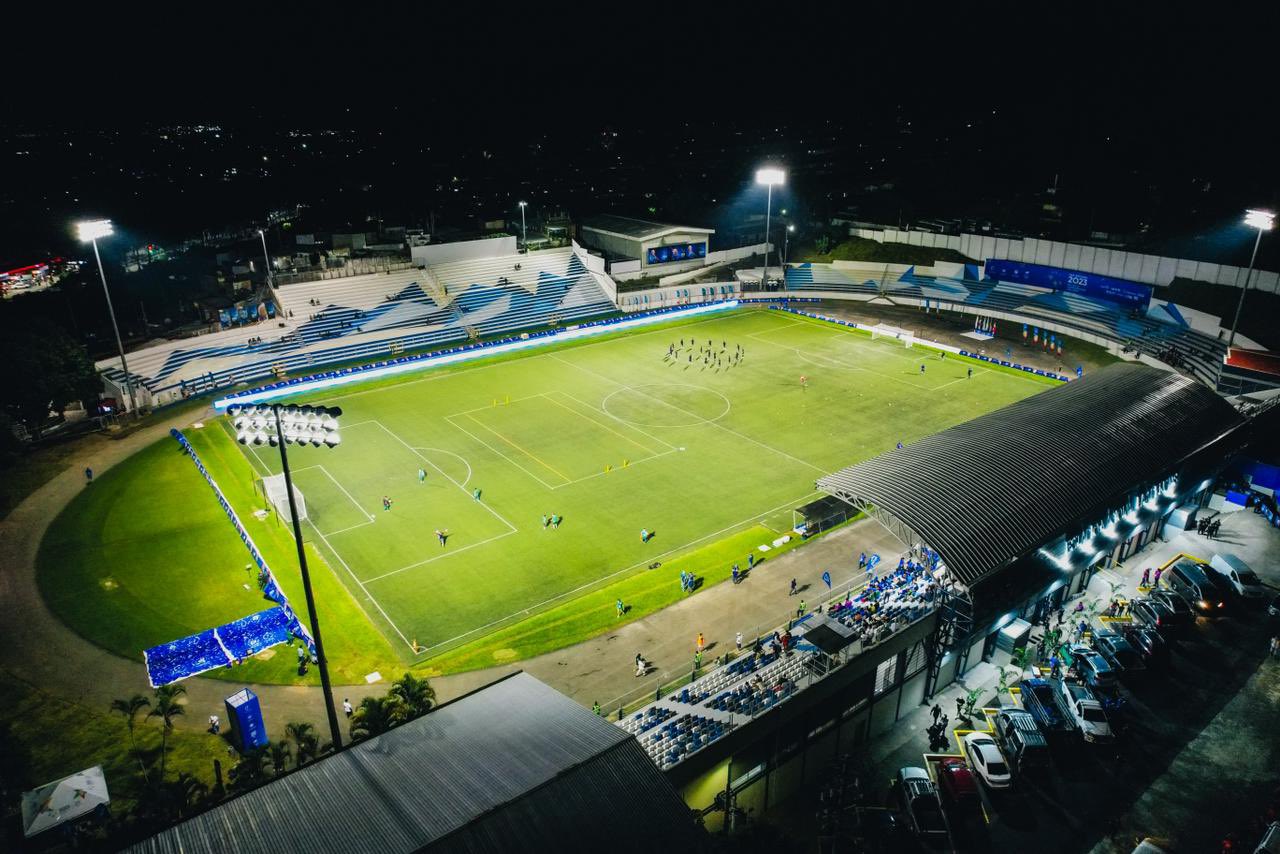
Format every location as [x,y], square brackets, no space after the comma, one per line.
[184,657]
[252,634]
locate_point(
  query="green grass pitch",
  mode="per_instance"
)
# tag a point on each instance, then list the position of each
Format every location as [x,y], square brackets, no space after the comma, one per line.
[606,433]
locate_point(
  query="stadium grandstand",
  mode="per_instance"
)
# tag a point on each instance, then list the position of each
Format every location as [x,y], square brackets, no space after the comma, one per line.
[467,777]
[1160,333]
[999,520]
[336,321]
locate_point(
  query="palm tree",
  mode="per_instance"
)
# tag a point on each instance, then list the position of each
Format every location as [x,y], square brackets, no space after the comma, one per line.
[377,715]
[166,709]
[417,695]
[280,752]
[185,793]
[306,742]
[251,770]
[130,708]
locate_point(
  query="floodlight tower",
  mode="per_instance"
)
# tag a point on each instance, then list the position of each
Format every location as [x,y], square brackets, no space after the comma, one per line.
[786,245]
[306,425]
[1262,221]
[265,257]
[524,234]
[769,176]
[89,231]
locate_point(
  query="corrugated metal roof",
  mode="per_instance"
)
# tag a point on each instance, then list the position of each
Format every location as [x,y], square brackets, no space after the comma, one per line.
[636,229]
[493,771]
[987,491]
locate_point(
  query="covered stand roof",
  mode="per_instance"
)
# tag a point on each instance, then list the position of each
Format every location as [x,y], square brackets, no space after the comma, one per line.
[990,490]
[637,229]
[516,766]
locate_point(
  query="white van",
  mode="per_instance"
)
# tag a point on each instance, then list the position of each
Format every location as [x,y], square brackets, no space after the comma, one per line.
[1238,575]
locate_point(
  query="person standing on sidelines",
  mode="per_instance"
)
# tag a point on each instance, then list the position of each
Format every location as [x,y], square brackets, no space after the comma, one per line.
[736,573]
[620,608]
[800,611]
[88,476]
[346,707]
[793,588]
[702,642]
[738,640]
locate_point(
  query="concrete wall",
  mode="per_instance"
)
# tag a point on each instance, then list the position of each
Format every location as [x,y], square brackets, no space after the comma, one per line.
[1134,266]
[463,250]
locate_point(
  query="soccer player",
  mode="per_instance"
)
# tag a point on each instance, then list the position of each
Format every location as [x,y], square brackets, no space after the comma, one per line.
[441,536]
[386,503]
[545,521]
[619,607]
[971,373]
[922,368]
[422,475]
[475,496]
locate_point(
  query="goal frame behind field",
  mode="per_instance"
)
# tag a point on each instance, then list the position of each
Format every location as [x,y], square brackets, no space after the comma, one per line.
[884,330]
[272,490]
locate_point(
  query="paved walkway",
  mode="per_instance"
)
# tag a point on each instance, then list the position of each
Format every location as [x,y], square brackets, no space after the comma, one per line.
[38,648]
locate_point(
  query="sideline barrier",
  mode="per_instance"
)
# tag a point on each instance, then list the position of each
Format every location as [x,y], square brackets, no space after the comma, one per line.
[465,353]
[236,640]
[931,345]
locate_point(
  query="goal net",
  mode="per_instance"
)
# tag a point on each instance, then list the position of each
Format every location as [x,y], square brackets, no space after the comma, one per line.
[884,331]
[274,490]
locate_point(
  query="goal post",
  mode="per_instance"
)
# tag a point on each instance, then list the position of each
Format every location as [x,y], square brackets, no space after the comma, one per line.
[883,330]
[273,490]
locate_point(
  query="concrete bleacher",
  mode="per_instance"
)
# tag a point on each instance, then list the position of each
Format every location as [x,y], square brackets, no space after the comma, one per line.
[1177,343]
[360,317]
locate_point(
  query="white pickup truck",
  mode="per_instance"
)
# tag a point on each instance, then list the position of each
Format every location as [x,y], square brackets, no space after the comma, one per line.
[1084,710]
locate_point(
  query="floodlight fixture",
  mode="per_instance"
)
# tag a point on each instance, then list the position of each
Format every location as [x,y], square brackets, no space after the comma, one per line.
[1260,219]
[90,230]
[770,176]
[524,233]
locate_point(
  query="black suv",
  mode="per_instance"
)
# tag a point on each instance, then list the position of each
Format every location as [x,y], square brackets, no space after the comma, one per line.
[1147,641]
[1153,615]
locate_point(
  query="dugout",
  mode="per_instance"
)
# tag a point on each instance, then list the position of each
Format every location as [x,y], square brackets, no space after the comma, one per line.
[1025,503]
[817,516]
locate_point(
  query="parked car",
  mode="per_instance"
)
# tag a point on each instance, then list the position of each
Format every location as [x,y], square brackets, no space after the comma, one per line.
[957,786]
[1083,708]
[1118,651]
[1151,614]
[1237,575]
[1190,581]
[986,761]
[924,810]
[1149,644]
[1021,740]
[1183,616]
[1092,667]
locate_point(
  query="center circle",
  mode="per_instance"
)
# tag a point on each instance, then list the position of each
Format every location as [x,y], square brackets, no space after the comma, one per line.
[666,405]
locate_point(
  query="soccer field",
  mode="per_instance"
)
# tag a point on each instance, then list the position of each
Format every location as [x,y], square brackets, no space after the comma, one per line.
[613,436]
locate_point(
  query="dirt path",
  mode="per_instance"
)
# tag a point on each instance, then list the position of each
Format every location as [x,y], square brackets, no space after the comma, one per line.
[38,648]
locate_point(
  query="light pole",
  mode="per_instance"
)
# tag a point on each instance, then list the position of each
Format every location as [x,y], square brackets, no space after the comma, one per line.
[313,425]
[524,234]
[769,176]
[89,231]
[1262,221]
[786,245]
[265,257]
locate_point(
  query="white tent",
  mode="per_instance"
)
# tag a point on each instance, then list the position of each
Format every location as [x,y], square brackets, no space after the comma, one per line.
[63,800]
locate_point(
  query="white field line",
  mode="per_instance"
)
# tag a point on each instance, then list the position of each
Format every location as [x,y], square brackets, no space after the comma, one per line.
[352,528]
[693,415]
[366,513]
[491,406]
[450,420]
[644,448]
[519,448]
[634,566]
[451,454]
[483,504]
[530,355]
[338,555]
[627,424]
[443,554]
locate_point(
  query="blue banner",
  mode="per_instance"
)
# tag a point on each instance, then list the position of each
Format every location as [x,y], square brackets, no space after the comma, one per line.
[1130,294]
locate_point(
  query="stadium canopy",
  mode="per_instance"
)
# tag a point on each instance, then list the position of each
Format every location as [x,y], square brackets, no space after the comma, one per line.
[630,228]
[64,800]
[515,766]
[994,489]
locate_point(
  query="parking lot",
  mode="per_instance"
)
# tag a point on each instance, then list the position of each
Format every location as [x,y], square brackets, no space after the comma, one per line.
[1194,754]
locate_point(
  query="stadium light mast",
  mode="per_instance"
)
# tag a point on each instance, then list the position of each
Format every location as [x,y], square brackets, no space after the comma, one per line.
[265,257]
[1262,221]
[313,425]
[786,246]
[769,176]
[524,234]
[89,231]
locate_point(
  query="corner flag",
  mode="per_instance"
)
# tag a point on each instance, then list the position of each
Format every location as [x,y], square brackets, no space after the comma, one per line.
[826,579]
